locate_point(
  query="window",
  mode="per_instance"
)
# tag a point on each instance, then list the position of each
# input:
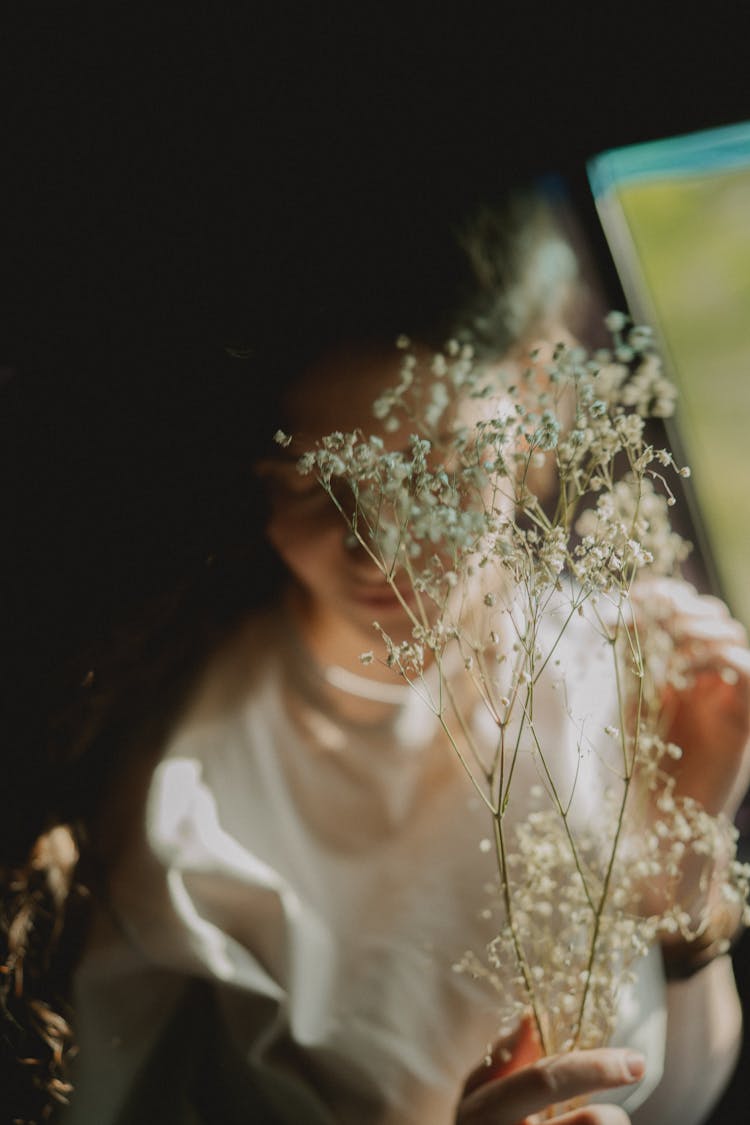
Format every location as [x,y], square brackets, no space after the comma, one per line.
[676,214]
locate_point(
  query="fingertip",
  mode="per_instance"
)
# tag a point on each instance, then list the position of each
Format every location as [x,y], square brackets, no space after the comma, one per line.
[635,1066]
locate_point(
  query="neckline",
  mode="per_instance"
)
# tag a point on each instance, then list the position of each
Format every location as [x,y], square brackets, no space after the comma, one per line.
[328,687]
[364,688]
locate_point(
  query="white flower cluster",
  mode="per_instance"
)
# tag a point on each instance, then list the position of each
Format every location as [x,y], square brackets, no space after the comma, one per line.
[517,501]
[556,915]
[627,530]
[573,911]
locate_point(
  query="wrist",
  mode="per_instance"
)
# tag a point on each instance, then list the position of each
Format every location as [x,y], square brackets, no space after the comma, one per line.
[685,956]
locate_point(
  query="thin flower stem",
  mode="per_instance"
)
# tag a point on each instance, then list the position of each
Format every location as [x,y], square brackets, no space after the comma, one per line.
[526,706]
[383,570]
[563,814]
[517,946]
[480,683]
[480,690]
[465,730]
[517,680]
[568,619]
[426,696]
[387,572]
[599,913]
[461,757]
[420,604]
[498,768]
[516,748]
[466,766]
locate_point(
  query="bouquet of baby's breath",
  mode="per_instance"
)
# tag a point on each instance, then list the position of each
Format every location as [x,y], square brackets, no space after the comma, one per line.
[516,516]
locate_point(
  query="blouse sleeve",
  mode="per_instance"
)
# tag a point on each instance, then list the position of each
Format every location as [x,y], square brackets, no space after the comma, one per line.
[704,1027]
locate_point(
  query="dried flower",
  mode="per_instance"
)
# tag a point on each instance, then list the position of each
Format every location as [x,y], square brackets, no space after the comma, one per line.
[503,580]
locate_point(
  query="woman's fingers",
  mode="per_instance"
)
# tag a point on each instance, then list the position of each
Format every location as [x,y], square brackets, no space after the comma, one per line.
[533,1088]
[693,619]
[509,1053]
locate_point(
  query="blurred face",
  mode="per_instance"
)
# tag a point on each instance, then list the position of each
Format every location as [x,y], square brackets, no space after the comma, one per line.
[339,590]
[339,585]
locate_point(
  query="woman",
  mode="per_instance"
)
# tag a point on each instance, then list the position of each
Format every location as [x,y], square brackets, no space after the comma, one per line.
[272,842]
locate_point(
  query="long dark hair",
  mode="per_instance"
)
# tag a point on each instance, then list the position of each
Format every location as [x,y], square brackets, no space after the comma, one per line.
[133,548]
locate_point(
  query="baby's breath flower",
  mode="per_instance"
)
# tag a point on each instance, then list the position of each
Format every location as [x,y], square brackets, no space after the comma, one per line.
[382,406]
[640,337]
[500,575]
[306,464]
[615,321]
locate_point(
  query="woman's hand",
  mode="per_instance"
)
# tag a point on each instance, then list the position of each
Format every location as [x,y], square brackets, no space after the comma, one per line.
[522,1088]
[706,713]
[708,717]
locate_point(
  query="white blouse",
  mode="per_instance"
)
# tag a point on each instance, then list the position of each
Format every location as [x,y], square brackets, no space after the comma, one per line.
[312,880]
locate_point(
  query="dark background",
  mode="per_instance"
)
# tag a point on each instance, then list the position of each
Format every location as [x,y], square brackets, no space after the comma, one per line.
[168,176]
[171,177]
